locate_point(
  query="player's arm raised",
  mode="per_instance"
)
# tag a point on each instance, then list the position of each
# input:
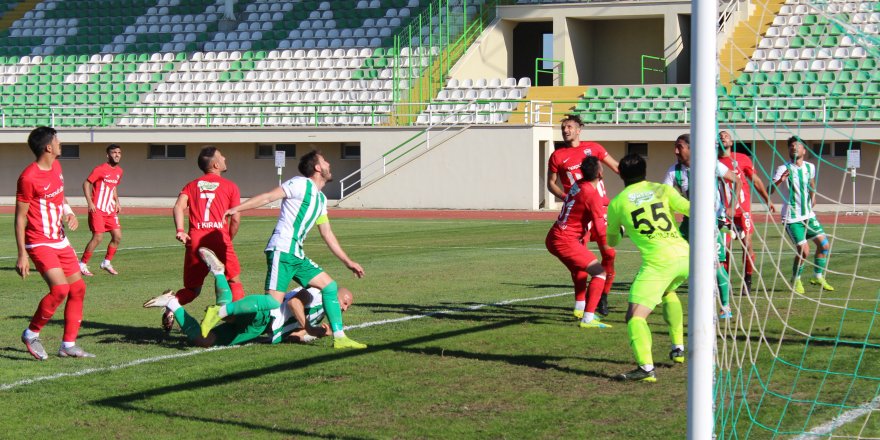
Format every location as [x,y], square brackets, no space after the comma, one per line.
[762,191]
[730,177]
[330,238]
[780,174]
[178,212]
[610,162]
[258,200]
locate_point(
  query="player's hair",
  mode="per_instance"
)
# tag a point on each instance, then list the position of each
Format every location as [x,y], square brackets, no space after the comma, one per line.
[308,161]
[39,138]
[686,137]
[206,156]
[632,168]
[794,139]
[572,117]
[590,168]
[112,147]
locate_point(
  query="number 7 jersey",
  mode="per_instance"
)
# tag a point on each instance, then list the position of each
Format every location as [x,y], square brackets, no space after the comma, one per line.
[210,196]
[646,211]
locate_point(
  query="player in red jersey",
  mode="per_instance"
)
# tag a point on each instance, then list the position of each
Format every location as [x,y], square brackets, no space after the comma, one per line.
[563,170]
[582,206]
[742,167]
[40,206]
[103,201]
[206,200]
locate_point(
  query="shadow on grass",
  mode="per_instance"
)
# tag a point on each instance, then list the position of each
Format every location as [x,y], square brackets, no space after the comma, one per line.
[128,402]
[107,333]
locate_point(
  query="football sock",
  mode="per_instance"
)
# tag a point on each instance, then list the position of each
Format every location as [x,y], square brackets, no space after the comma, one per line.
[748,263]
[111,251]
[580,305]
[250,304]
[28,333]
[673,316]
[221,289]
[723,285]
[188,325]
[48,305]
[588,316]
[796,268]
[331,307]
[186,296]
[594,293]
[580,285]
[640,340]
[173,304]
[68,344]
[608,256]
[87,255]
[237,290]
[73,311]
[821,264]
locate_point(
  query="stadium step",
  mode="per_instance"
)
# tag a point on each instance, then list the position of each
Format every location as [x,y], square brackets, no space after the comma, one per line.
[738,48]
[16,13]
[564,99]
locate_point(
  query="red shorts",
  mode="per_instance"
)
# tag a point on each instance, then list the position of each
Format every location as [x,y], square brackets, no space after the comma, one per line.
[46,258]
[195,270]
[742,223]
[573,254]
[101,222]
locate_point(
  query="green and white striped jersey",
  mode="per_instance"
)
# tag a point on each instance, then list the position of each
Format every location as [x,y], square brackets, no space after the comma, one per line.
[798,205]
[283,321]
[303,206]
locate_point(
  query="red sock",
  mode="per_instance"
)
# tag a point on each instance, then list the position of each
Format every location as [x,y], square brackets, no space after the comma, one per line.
[73,311]
[185,296]
[748,263]
[237,291]
[595,293]
[608,264]
[111,251]
[47,306]
[580,285]
[87,255]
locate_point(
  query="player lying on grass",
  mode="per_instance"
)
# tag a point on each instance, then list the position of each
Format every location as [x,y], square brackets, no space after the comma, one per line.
[252,316]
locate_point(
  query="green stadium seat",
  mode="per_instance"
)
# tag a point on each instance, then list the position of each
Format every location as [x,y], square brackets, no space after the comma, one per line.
[622,93]
[607,93]
[744,78]
[860,115]
[654,92]
[591,93]
[776,78]
[671,92]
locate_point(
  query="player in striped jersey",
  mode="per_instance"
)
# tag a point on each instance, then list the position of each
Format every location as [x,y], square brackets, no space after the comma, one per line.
[103,202]
[797,214]
[303,207]
[40,206]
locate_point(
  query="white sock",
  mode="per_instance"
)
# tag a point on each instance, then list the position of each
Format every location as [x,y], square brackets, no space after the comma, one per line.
[222,312]
[680,347]
[588,316]
[65,344]
[580,305]
[339,334]
[28,334]
[173,305]
[647,367]
[105,263]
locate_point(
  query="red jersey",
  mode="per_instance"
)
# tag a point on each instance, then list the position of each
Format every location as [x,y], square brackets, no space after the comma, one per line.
[210,196]
[742,166]
[43,191]
[582,205]
[104,179]
[566,162]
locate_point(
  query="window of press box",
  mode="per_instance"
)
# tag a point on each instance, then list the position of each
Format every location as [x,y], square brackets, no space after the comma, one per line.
[167,151]
[69,151]
[267,151]
[641,148]
[351,151]
[835,149]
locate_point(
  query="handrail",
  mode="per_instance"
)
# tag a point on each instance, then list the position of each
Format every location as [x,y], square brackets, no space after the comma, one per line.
[725,16]
[558,63]
[650,69]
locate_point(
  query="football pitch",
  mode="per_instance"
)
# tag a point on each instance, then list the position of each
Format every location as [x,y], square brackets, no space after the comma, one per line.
[468,323]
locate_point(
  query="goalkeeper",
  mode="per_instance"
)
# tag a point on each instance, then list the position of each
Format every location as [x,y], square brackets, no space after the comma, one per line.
[646,211]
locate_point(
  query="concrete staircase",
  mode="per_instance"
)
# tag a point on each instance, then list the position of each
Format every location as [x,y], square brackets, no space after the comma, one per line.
[564,99]
[737,50]
[20,9]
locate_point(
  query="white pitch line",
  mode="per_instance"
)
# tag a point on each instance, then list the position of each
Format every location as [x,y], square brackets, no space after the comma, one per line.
[23,382]
[843,419]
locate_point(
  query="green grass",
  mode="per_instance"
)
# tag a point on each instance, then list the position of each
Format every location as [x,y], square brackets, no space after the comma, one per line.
[515,370]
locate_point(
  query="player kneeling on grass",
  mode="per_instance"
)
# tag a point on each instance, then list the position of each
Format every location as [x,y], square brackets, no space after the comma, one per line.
[645,210]
[581,207]
[254,315]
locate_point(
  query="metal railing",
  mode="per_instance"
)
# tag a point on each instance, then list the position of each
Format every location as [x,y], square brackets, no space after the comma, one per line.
[556,70]
[652,69]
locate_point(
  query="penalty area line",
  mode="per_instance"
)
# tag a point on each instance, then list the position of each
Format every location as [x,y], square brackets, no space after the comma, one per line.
[848,417]
[88,371]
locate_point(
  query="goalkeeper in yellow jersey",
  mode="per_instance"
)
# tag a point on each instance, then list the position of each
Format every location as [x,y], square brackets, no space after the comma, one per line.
[646,211]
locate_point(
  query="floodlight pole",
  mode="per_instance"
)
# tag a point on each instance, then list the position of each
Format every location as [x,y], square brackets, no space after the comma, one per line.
[701,296]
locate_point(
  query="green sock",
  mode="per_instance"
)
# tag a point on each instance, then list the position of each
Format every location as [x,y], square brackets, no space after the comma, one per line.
[190,327]
[331,306]
[674,317]
[723,285]
[796,268]
[252,304]
[222,290]
[640,340]
[821,264]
